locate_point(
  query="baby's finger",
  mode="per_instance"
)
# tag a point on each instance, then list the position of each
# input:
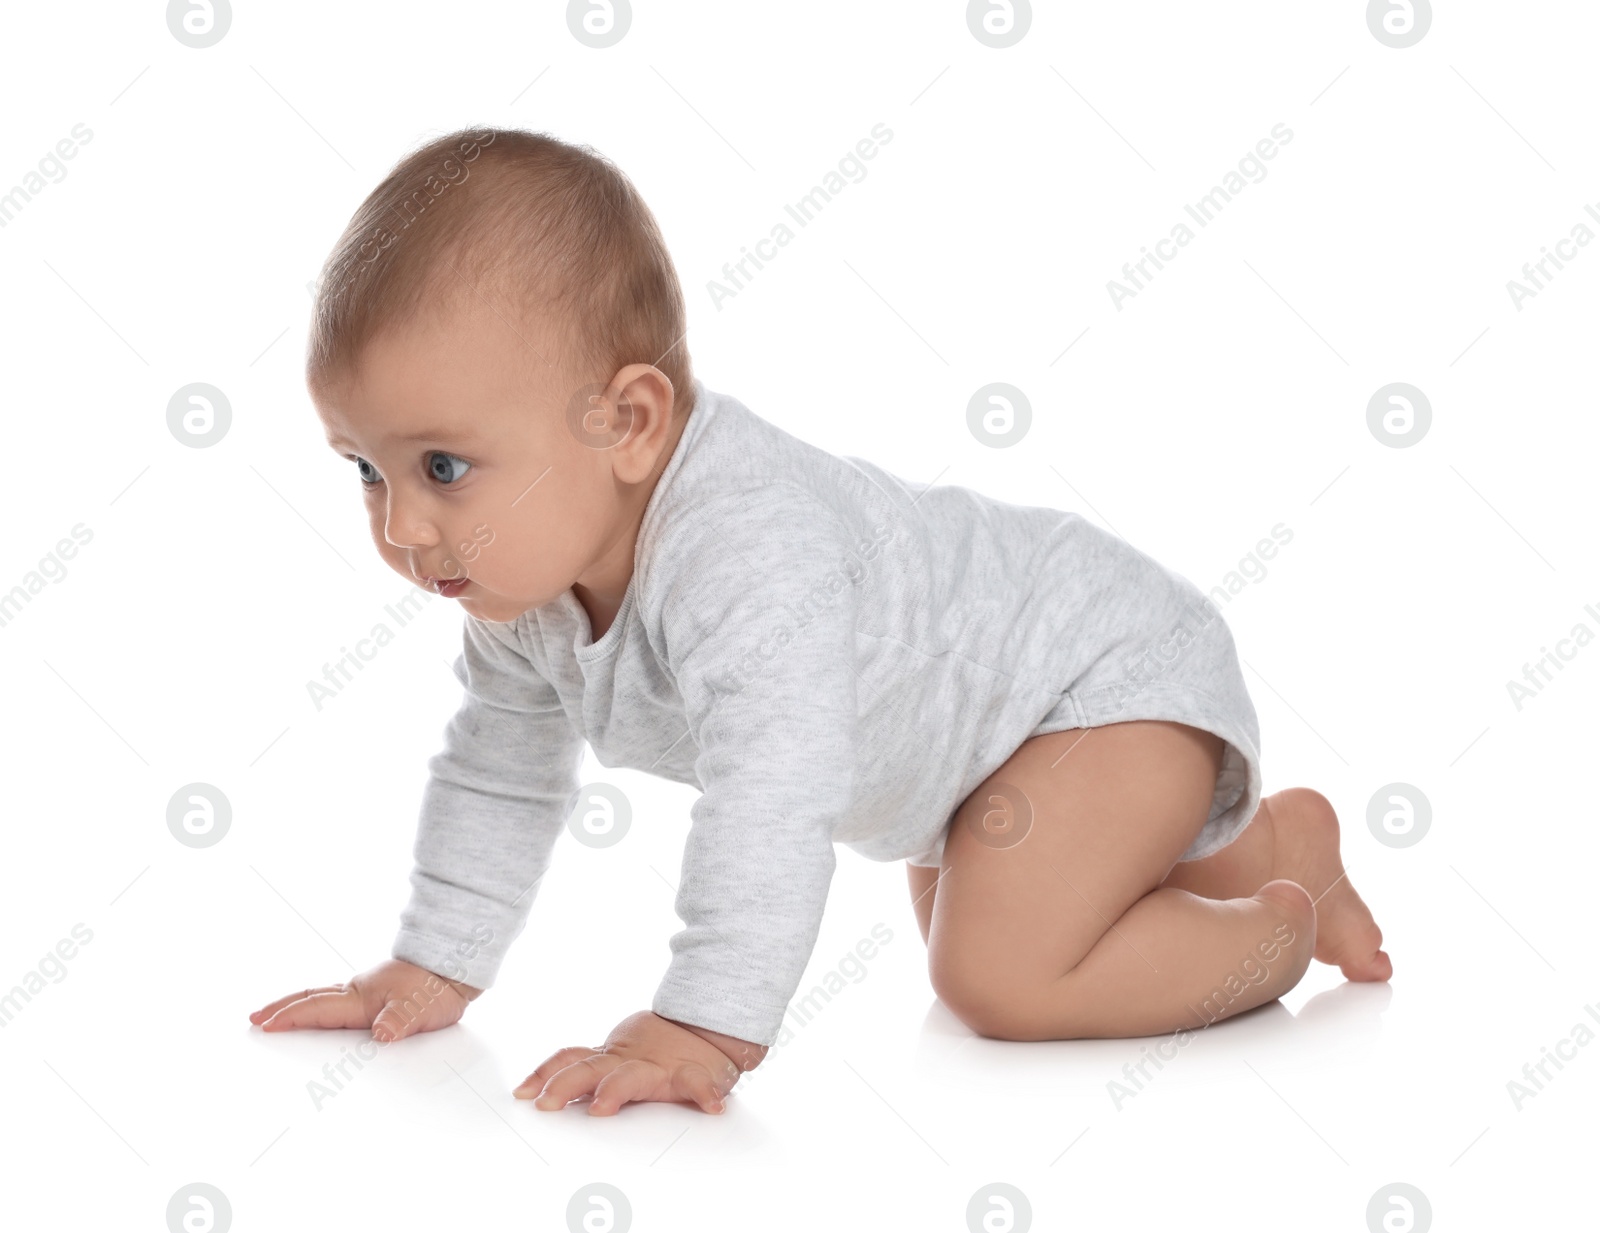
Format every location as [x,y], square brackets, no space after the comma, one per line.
[400,1017]
[576,1080]
[694,1082]
[534,1083]
[272,1008]
[633,1080]
[338,1008]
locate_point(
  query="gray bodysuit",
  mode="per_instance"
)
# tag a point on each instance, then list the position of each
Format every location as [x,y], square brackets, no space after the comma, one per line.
[831,656]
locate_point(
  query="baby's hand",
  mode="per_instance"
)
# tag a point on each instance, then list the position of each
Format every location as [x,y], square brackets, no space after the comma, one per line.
[394,999]
[646,1057]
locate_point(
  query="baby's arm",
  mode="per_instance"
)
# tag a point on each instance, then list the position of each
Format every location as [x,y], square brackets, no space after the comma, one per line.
[760,639]
[495,801]
[497,797]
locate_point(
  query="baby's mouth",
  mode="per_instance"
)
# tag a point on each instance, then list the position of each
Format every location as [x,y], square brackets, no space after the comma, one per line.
[448,587]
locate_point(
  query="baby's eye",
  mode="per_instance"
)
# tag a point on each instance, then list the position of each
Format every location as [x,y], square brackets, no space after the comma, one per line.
[440,466]
[362,467]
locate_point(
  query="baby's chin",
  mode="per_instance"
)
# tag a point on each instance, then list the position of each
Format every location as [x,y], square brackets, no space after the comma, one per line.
[496,609]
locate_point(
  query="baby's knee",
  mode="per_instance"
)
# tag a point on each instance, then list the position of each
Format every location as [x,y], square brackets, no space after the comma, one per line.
[973,995]
[998,1018]
[1002,1006]
[1303,809]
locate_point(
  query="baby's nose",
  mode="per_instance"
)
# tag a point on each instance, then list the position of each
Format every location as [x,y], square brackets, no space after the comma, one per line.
[405,528]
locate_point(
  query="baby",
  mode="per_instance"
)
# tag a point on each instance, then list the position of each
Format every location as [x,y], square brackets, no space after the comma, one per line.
[1047,725]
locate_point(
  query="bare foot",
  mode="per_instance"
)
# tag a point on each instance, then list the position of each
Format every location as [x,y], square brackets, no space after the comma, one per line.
[1305,833]
[1293,904]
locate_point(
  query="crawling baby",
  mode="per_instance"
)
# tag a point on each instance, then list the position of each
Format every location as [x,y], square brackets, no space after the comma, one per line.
[1047,725]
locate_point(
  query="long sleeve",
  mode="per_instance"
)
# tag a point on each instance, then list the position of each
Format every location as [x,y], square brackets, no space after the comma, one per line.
[496,799]
[759,623]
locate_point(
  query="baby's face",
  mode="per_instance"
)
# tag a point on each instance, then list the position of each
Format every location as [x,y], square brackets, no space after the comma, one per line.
[458,437]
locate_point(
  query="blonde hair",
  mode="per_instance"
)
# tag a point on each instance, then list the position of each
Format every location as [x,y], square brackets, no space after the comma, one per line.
[555,229]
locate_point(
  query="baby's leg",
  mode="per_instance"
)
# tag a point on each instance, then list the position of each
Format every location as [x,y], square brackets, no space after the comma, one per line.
[1067,930]
[1295,835]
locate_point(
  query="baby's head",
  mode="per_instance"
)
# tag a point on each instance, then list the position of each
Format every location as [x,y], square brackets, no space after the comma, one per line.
[497,343]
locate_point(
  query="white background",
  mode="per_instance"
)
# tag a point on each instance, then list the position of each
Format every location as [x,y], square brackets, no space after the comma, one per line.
[1228,396]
